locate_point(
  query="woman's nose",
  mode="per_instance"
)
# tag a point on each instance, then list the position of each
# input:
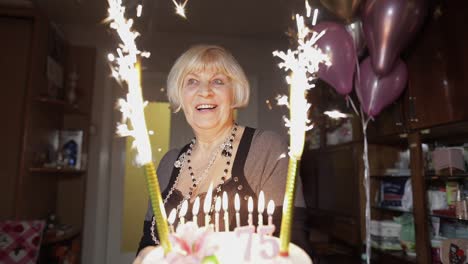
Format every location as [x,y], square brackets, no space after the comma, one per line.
[205,89]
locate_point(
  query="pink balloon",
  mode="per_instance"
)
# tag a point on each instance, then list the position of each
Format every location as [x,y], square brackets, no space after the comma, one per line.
[388,26]
[374,92]
[339,46]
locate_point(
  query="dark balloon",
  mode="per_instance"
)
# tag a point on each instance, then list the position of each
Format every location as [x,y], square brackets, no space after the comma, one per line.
[356,32]
[344,9]
[374,92]
[338,45]
[388,26]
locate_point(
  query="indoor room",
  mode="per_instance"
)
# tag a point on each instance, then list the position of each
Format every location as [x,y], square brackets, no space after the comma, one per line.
[216,131]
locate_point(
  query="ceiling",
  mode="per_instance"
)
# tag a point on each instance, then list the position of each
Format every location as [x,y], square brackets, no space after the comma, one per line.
[243,18]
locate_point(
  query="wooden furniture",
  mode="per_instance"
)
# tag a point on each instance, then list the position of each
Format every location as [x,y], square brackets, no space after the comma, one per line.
[33,112]
[330,177]
[437,61]
[432,111]
[63,247]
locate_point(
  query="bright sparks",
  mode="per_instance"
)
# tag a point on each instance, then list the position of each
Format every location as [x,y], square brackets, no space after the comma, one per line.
[126,68]
[302,64]
[180,8]
[282,100]
[314,18]
[139,10]
[335,114]
[308,9]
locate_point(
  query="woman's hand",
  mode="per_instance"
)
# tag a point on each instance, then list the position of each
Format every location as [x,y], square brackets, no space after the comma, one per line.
[142,255]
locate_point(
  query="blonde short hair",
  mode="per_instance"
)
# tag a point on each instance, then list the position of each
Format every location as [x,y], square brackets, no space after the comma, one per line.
[202,57]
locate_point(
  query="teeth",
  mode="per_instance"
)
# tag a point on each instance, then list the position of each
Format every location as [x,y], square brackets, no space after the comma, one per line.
[205,106]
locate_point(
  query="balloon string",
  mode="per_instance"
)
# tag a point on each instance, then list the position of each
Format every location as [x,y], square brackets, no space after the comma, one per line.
[365,158]
[358,72]
[351,102]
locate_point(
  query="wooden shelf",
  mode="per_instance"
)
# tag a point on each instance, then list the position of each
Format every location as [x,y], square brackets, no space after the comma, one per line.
[400,140]
[56,170]
[453,133]
[458,176]
[46,100]
[389,177]
[446,178]
[448,217]
[396,255]
[67,107]
[389,209]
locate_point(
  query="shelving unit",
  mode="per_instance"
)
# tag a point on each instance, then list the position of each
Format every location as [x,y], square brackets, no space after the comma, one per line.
[66,107]
[56,171]
[446,177]
[30,190]
[388,256]
[390,209]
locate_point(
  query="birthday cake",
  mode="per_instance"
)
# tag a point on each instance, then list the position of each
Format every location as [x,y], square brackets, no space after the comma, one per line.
[193,244]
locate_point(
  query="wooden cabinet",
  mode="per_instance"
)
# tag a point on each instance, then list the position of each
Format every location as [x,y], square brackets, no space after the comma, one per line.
[331,182]
[14,70]
[391,121]
[33,112]
[432,110]
[437,72]
[22,71]
[437,61]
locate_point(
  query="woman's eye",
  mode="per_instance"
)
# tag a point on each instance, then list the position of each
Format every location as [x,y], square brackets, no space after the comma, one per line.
[218,81]
[191,81]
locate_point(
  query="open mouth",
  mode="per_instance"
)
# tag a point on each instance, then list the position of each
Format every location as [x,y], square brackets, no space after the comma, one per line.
[204,107]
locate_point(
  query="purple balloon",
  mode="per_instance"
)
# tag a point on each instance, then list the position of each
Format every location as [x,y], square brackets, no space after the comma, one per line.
[388,26]
[338,44]
[374,92]
[355,30]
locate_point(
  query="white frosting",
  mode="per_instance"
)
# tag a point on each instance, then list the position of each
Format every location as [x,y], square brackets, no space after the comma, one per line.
[232,249]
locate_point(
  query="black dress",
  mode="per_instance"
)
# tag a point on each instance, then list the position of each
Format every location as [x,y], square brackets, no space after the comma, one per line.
[236,184]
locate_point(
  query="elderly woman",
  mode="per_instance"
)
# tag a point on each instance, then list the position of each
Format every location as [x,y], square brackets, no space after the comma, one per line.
[208,84]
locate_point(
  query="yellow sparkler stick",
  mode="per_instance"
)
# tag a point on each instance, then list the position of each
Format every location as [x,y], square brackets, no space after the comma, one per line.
[288,207]
[298,116]
[301,62]
[158,206]
[154,190]
[128,69]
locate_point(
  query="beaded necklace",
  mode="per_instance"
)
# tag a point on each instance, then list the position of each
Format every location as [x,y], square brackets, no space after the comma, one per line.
[184,160]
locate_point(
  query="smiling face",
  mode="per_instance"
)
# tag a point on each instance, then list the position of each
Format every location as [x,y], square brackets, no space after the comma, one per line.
[207,100]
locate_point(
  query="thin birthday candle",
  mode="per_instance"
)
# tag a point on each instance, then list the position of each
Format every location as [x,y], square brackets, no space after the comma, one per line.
[183,212]
[237,208]
[261,207]
[250,210]
[171,219]
[302,63]
[195,208]
[217,209]
[270,211]
[207,205]
[127,69]
[226,212]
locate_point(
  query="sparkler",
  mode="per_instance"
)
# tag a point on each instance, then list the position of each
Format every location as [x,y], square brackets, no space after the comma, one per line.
[302,63]
[127,69]
[180,8]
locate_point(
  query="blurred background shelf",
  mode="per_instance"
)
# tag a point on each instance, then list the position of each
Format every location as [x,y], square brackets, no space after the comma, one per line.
[392,256]
[56,170]
[390,209]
